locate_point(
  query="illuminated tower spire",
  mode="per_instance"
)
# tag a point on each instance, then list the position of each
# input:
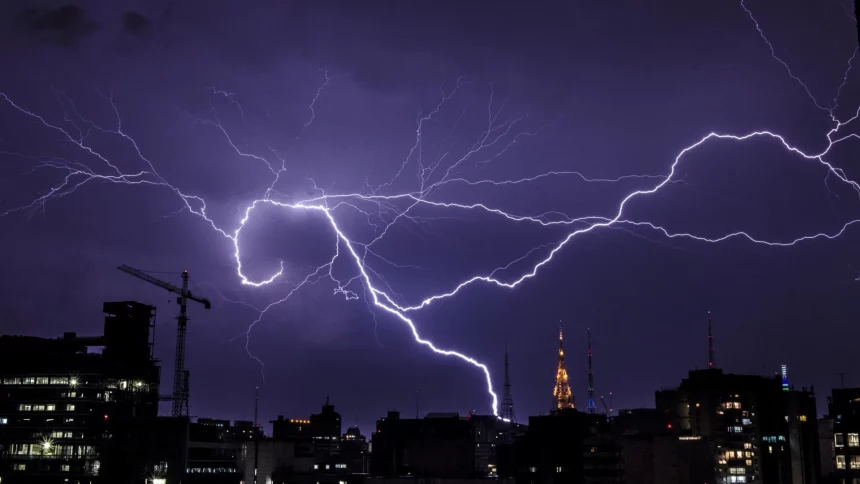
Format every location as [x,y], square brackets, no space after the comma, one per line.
[508,401]
[561,393]
[592,409]
[712,363]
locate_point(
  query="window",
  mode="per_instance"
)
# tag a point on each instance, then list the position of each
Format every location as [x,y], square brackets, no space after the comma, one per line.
[558,469]
[853,440]
[532,469]
[749,462]
[70,407]
[737,478]
[803,418]
[42,380]
[747,445]
[840,461]
[50,407]
[65,468]
[747,421]
[735,429]
[11,381]
[316,466]
[57,434]
[737,471]
[4,420]
[855,461]
[25,407]
[28,380]
[840,440]
[59,380]
[340,466]
[20,467]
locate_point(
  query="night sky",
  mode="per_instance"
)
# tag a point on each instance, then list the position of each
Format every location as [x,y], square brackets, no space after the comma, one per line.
[608,89]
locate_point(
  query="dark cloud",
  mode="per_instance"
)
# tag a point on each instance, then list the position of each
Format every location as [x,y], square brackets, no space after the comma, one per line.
[66,25]
[137,24]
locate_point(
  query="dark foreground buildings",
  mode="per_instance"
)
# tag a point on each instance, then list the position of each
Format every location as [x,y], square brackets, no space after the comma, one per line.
[66,403]
[760,429]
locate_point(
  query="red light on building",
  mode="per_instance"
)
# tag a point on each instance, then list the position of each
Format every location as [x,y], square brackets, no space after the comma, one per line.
[668,426]
[106,417]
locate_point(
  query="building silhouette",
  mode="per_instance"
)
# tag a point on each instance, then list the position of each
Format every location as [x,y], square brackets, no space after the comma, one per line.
[440,446]
[66,403]
[563,398]
[761,431]
[567,446]
[843,449]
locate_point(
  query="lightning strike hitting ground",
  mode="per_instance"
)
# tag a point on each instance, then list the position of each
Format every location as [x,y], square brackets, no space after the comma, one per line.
[382,209]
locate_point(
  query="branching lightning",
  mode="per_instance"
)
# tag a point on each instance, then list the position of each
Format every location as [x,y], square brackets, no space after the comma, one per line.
[382,207]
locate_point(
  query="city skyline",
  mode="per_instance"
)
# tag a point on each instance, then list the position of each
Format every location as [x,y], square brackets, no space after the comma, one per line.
[369,106]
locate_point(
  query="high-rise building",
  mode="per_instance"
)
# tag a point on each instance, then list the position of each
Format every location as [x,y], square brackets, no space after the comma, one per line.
[761,433]
[844,413]
[563,397]
[66,402]
[440,445]
[566,446]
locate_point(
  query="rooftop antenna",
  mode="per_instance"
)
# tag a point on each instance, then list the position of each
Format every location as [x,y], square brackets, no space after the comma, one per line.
[712,363]
[256,433]
[590,407]
[508,401]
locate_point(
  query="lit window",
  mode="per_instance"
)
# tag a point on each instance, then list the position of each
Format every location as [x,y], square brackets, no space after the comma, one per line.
[11,381]
[737,470]
[25,407]
[532,469]
[327,466]
[734,479]
[42,380]
[558,469]
[65,468]
[855,461]
[4,420]
[747,445]
[840,440]
[747,421]
[735,429]
[20,467]
[748,454]
[316,466]
[803,418]
[28,380]
[50,407]
[749,462]
[70,407]
[853,440]
[840,461]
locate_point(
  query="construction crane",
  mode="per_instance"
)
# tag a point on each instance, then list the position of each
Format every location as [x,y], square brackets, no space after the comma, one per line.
[180,375]
[608,413]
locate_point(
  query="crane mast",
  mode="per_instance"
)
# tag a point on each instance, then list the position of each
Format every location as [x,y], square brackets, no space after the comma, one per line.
[180,375]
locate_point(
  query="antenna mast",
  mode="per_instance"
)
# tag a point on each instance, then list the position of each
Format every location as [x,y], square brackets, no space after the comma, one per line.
[712,363]
[591,407]
[508,402]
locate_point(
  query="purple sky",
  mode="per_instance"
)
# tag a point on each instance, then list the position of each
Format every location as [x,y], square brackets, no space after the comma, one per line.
[595,87]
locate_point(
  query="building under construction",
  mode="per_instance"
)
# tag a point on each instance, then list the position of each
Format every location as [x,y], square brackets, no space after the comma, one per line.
[63,400]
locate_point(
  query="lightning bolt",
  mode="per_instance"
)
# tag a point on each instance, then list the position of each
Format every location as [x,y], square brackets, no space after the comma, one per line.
[382,207]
